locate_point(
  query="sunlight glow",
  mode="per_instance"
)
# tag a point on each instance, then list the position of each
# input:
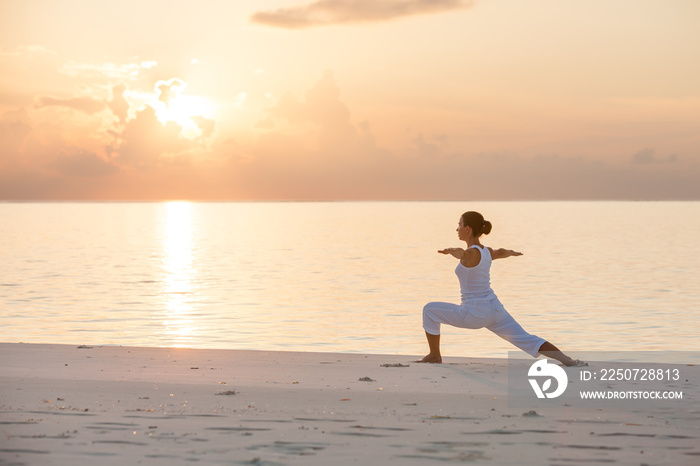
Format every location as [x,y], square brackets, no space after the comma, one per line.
[177,265]
[182,109]
[171,104]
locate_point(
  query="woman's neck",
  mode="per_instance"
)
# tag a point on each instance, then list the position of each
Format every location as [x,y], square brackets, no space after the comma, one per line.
[473,241]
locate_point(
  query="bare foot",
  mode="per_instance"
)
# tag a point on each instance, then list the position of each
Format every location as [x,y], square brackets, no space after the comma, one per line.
[431,359]
[564,359]
[575,363]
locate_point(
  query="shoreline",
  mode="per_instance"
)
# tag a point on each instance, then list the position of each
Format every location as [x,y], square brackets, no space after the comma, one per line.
[62,404]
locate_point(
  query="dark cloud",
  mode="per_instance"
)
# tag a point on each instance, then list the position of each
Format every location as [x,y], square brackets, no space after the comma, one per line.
[428,148]
[25,184]
[84,164]
[84,104]
[14,131]
[647,156]
[327,12]
[36,163]
[503,176]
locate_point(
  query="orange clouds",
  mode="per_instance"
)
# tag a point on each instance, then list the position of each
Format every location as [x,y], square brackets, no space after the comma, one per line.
[308,148]
[119,105]
[145,141]
[328,12]
[312,148]
[85,104]
[96,144]
[81,163]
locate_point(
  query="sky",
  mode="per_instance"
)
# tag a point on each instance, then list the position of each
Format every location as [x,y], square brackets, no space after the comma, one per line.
[349,100]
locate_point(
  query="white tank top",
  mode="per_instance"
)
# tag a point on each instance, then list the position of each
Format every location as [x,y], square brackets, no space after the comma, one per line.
[475,282]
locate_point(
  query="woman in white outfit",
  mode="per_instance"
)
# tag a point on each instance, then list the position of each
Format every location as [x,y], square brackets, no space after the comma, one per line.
[480,307]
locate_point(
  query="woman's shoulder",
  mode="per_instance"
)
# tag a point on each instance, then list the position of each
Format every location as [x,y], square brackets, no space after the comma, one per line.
[471,257]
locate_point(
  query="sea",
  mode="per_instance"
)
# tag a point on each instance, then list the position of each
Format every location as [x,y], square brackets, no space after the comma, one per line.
[345,277]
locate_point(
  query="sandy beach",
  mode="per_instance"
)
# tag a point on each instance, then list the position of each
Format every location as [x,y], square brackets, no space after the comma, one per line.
[83,405]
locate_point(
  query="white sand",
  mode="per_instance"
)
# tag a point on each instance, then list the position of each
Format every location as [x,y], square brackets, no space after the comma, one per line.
[65,405]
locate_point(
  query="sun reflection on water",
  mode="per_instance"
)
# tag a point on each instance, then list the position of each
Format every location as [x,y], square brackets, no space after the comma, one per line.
[178,289]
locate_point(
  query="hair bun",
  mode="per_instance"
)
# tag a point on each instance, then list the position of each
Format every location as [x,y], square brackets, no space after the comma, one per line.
[477,223]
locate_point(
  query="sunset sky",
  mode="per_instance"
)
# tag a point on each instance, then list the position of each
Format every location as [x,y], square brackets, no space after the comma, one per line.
[341,99]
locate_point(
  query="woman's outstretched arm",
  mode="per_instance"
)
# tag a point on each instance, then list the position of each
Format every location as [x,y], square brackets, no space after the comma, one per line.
[503,253]
[456,252]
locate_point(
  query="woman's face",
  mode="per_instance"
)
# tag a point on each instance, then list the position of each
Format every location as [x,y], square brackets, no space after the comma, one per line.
[462,231]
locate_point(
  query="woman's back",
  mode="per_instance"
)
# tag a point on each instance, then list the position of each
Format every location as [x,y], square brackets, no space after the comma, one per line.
[475,282]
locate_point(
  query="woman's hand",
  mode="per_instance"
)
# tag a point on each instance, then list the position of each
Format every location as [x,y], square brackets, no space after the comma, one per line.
[456,252]
[503,253]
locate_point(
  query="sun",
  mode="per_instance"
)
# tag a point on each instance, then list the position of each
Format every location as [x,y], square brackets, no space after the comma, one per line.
[184,109]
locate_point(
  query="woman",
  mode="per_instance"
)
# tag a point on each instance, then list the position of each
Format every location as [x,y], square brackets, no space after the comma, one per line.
[480,307]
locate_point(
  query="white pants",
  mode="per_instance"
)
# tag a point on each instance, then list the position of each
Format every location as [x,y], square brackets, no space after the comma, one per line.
[488,314]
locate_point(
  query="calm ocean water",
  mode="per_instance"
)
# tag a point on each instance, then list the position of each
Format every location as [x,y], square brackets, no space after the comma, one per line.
[344,276]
